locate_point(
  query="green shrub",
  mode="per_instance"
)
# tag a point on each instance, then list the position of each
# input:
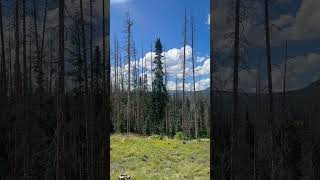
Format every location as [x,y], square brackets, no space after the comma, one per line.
[180,136]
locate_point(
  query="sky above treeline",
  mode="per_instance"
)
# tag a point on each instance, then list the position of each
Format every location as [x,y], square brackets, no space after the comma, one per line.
[164,19]
[294,21]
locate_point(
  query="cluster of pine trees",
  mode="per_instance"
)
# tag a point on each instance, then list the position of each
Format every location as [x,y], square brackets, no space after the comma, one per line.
[54,90]
[146,107]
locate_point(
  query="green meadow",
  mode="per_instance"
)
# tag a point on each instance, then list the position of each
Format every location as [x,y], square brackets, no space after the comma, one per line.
[152,157]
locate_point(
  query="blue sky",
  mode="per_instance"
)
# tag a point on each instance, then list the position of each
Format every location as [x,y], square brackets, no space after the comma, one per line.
[164,19]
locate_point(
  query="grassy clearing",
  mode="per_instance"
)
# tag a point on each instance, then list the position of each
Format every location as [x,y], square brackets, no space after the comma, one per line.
[152,158]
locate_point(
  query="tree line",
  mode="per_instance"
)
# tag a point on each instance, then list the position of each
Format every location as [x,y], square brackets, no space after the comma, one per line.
[54,89]
[147,108]
[260,135]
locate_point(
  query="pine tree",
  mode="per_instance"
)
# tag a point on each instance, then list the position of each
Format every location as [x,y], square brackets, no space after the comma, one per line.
[159,93]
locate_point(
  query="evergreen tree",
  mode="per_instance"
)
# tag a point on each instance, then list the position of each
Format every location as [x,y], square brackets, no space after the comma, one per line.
[159,93]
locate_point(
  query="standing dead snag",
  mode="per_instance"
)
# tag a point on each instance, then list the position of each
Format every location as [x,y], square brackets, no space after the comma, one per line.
[194,82]
[184,71]
[3,70]
[107,128]
[60,95]
[233,172]
[17,75]
[129,24]
[84,49]
[269,71]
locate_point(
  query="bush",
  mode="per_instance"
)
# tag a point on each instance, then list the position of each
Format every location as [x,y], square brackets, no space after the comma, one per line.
[180,136]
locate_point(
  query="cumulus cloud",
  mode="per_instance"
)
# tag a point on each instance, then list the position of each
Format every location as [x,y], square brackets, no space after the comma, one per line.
[173,64]
[199,85]
[301,71]
[300,25]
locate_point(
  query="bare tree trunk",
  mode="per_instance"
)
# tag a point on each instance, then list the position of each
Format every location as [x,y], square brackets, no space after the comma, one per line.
[39,62]
[165,82]
[269,70]
[103,46]
[44,29]
[91,41]
[17,86]
[194,82]
[258,106]
[3,70]
[17,79]
[106,147]
[24,49]
[91,122]
[51,65]
[184,71]
[84,49]
[60,175]
[10,67]
[284,84]
[151,64]
[30,68]
[233,171]
[84,54]
[129,24]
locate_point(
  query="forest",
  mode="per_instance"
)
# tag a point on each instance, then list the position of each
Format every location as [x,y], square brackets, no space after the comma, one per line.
[260,129]
[148,108]
[55,89]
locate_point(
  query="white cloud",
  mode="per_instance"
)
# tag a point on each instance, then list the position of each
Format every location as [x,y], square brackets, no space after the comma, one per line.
[174,66]
[200,85]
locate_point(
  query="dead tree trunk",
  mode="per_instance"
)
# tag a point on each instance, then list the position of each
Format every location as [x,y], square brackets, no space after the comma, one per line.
[84,49]
[17,74]
[269,70]
[107,129]
[194,82]
[184,71]
[60,109]
[25,82]
[129,24]
[233,171]
[3,70]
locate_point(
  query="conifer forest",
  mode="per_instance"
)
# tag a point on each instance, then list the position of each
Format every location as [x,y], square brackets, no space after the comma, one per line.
[159,89]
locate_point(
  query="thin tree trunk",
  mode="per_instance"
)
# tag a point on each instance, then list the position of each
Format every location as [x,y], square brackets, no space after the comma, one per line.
[91,42]
[84,49]
[184,71]
[10,67]
[194,82]
[129,24]
[84,54]
[103,46]
[269,70]
[24,49]
[233,171]
[107,129]
[44,28]
[51,65]
[30,68]
[151,64]
[38,64]
[3,70]
[60,109]
[284,84]
[17,80]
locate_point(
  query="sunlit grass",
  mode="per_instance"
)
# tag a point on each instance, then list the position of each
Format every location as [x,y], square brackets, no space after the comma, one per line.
[155,158]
